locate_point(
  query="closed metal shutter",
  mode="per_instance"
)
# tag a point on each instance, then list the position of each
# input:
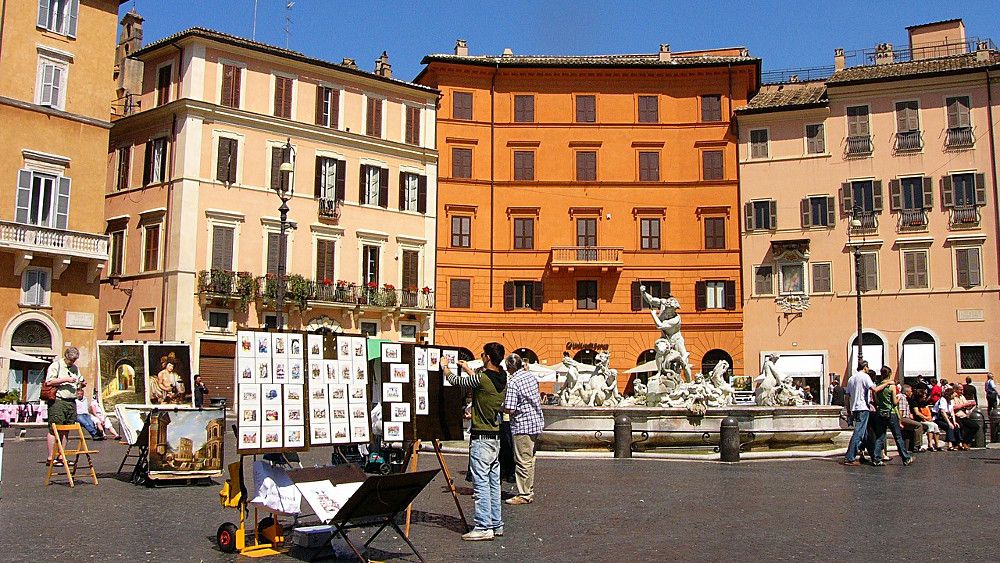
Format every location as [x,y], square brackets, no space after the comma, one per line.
[217,367]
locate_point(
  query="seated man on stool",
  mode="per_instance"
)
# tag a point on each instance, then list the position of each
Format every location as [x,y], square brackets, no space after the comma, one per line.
[83,415]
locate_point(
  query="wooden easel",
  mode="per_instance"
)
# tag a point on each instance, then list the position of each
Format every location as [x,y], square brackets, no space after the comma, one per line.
[414,456]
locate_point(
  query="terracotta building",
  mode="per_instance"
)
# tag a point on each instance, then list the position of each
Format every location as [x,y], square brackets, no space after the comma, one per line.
[56,60]
[192,208]
[567,182]
[893,156]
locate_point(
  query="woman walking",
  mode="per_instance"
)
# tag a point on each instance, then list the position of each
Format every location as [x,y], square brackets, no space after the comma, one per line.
[887,417]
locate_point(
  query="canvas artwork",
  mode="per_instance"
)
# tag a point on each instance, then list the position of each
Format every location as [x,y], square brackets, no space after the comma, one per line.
[295,371]
[345,347]
[186,441]
[315,342]
[122,374]
[392,392]
[338,393]
[420,358]
[294,415]
[263,345]
[421,406]
[325,498]
[450,359]
[399,412]
[391,352]
[392,431]
[338,433]
[246,369]
[263,370]
[244,344]
[279,346]
[295,436]
[399,373]
[131,418]
[280,371]
[320,433]
[168,374]
[433,359]
[294,394]
[295,346]
[249,439]
[420,380]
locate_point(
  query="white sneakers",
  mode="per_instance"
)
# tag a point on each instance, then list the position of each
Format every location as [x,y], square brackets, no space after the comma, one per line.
[480,535]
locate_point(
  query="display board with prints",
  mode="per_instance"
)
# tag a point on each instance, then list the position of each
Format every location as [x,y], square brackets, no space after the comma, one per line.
[417,403]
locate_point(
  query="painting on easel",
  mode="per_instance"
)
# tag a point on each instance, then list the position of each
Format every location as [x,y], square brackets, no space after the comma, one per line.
[121,374]
[169,374]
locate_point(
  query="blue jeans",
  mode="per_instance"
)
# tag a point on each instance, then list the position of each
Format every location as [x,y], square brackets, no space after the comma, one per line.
[891,424]
[88,424]
[860,419]
[484,465]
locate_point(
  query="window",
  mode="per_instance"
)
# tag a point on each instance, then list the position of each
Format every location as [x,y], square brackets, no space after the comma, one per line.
[326,260]
[283,96]
[524,109]
[155,162]
[42,200]
[230,94]
[373,125]
[586,109]
[114,321]
[459,294]
[117,253]
[369,328]
[151,248]
[51,89]
[408,331]
[461,163]
[409,191]
[461,105]
[815,139]
[863,196]
[586,166]
[225,168]
[959,116]
[715,233]
[792,278]
[649,166]
[524,233]
[818,211]
[972,357]
[908,194]
[649,109]
[271,322]
[218,320]
[711,165]
[586,294]
[58,16]
[461,231]
[715,294]
[522,295]
[124,168]
[586,232]
[164,77]
[857,121]
[761,215]
[869,271]
[907,117]
[273,252]
[412,133]
[711,107]
[411,270]
[915,269]
[327,106]
[330,178]
[35,289]
[655,288]
[763,280]
[963,190]
[370,259]
[524,165]
[821,277]
[968,267]
[279,155]
[758,143]
[147,319]
[374,188]
[222,247]
[649,233]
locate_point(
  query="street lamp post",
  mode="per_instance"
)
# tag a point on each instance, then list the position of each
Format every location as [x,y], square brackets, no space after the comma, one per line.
[283,188]
[856,224]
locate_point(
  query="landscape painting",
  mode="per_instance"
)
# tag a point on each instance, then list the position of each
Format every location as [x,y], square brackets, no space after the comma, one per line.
[186,443]
[121,374]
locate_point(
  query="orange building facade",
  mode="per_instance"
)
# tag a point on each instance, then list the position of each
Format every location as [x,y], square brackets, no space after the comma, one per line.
[565,183]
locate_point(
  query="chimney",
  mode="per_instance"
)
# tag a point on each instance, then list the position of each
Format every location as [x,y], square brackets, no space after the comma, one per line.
[665,52]
[883,54]
[382,66]
[838,60]
[349,63]
[507,52]
[461,48]
[793,78]
[983,51]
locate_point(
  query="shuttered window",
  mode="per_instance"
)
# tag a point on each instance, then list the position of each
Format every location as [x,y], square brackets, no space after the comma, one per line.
[818,211]
[761,215]
[459,293]
[411,270]
[649,233]
[910,193]
[969,267]
[964,190]
[117,253]
[649,109]
[655,288]
[907,116]
[327,106]
[35,289]
[959,115]
[230,94]
[163,79]
[758,143]
[58,16]
[273,251]
[374,186]
[869,271]
[461,163]
[461,105]
[586,294]
[649,166]
[763,280]
[279,181]
[373,125]
[325,260]
[522,295]
[461,231]
[711,107]
[815,139]
[821,277]
[412,125]
[330,179]
[42,199]
[222,247]
[586,166]
[711,165]
[412,192]
[225,170]
[586,109]
[151,248]
[715,294]
[370,260]
[155,162]
[715,233]
[524,109]
[52,91]
[524,233]
[857,121]
[124,168]
[524,165]
[283,96]
[915,269]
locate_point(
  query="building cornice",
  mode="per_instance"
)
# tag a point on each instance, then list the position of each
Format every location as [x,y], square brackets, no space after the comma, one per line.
[4,100]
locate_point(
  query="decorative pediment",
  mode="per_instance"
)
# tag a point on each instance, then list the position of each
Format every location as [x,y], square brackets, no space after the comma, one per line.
[790,250]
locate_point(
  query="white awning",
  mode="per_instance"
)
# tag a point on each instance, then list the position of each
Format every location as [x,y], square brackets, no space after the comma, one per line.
[873,355]
[648,367]
[12,355]
[918,359]
[801,366]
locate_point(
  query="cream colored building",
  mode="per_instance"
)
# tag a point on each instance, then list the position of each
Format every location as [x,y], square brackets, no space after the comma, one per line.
[56,61]
[193,217]
[905,144]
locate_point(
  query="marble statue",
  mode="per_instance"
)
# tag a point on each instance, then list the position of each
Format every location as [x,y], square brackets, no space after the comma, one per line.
[664,312]
[775,388]
[600,390]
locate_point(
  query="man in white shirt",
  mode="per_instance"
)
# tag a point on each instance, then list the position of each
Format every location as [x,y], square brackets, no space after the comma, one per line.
[859,388]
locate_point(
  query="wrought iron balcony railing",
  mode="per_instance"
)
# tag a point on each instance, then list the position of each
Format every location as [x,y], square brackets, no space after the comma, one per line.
[868,221]
[960,137]
[859,145]
[965,216]
[907,141]
[329,208]
[912,219]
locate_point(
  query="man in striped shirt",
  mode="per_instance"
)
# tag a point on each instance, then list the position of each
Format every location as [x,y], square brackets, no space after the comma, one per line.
[523,404]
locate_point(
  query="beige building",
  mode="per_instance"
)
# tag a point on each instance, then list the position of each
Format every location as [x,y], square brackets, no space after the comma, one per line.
[894,157]
[56,60]
[192,212]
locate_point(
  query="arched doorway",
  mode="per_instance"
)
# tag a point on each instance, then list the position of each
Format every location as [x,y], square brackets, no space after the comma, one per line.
[918,357]
[872,349]
[713,357]
[647,356]
[528,355]
[586,356]
[34,338]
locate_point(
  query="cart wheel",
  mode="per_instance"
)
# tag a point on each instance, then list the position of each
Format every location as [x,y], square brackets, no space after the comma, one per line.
[262,530]
[384,469]
[226,537]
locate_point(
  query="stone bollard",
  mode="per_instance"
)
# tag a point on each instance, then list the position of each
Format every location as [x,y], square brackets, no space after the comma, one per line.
[623,436]
[979,439]
[995,426]
[729,440]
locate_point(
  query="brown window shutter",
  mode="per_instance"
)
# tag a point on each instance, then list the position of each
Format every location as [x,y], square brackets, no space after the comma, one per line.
[411,269]
[804,207]
[729,288]
[636,296]
[222,165]
[773,213]
[895,195]
[341,187]
[234,148]
[846,198]
[508,295]
[928,188]
[748,217]
[279,95]
[831,211]
[361,184]
[321,93]
[877,195]
[700,296]
[287,99]
[222,248]
[383,187]
[277,154]
[422,194]
[318,187]
[236,87]
[147,164]
[273,240]
[664,289]
[537,295]
[402,191]
[980,189]
[227,85]
[947,192]
[962,267]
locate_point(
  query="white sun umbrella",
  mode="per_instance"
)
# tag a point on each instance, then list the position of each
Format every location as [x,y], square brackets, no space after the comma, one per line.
[542,372]
[648,367]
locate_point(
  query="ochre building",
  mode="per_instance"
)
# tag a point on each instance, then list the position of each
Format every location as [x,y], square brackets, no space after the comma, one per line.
[566,182]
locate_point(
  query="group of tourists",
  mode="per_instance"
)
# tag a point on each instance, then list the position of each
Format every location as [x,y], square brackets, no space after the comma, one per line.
[937,414]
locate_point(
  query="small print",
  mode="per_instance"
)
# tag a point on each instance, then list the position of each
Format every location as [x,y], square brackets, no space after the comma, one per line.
[421,406]
[245,346]
[391,352]
[249,439]
[293,394]
[338,393]
[399,412]
[392,392]
[433,359]
[270,394]
[315,342]
[339,433]
[420,358]
[450,359]
[295,346]
[392,431]
[420,379]
[320,433]
[272,437]
[295,437]
[399,373]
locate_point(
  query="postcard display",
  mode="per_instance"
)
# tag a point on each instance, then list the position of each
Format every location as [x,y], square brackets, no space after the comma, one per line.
[296,390]
[417,402]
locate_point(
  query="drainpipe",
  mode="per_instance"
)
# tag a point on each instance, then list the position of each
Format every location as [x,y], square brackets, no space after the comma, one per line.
[493,84]
[170,198]
[739,193]
[993,160]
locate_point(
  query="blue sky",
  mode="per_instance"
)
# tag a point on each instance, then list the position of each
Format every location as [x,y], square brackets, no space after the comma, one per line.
[785,33]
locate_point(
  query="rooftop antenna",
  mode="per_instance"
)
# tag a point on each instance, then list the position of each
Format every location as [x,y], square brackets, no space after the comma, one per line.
[288,21]
[253,33]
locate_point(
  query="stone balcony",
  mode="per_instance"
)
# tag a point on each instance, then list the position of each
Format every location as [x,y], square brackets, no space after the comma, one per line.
[572,257]
[65,247]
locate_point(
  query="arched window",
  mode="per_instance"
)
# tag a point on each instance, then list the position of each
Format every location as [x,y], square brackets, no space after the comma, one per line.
[713,357]
[527,354]
[647,356]
[919,356]
[586,356]
[466,354]
[873,351]
[31,334]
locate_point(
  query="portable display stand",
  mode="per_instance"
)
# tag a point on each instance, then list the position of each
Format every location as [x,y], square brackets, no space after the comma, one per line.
[414,460]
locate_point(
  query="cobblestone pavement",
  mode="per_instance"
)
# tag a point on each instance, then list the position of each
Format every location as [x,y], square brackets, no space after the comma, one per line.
[586,510]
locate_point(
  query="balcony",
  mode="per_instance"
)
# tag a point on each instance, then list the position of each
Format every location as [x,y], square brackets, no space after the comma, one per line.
[960,138]
[330,208]
[912,220]
[909,141]
[868,220]
[225,287]
[305,293]
[859,145]
[964,217]
[26,241]
[571,257]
